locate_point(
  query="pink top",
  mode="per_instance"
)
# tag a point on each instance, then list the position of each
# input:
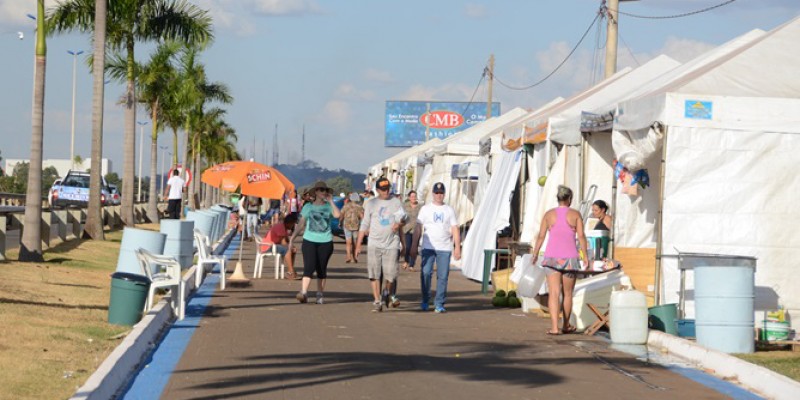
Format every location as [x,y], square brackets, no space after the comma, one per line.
[562,237]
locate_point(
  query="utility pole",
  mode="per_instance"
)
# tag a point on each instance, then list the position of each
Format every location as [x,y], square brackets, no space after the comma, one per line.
[427,121]
[490,72]
[612,11]
[303,148]
[275,159]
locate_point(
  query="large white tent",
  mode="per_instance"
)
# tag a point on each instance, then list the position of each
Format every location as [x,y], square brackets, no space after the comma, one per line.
[721,141]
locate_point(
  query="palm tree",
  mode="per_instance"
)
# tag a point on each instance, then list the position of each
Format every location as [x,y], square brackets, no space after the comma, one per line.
[130,21]
[31,242]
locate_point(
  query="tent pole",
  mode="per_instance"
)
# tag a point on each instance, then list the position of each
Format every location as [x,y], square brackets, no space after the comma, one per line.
[660,232]
[613,208]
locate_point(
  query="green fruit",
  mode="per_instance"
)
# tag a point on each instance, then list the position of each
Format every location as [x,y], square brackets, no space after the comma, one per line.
[502,301]
[514,302]
[500,293]
[512,293]
[498,301]
[542,180]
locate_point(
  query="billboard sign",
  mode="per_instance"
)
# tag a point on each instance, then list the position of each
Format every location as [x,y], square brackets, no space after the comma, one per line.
[408,121]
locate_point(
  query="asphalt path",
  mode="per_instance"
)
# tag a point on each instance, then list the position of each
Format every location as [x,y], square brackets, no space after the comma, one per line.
[258,342]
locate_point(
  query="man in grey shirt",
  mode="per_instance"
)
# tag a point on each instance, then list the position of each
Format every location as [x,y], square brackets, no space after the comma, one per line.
[383,217]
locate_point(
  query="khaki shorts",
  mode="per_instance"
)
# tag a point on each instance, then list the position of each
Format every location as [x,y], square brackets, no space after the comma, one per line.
[382,260]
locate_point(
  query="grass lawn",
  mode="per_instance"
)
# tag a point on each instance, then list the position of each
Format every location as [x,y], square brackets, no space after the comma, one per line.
[53,329]
[783,362]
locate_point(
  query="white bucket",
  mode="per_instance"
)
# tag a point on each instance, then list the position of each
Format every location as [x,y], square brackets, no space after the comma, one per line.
[628,317]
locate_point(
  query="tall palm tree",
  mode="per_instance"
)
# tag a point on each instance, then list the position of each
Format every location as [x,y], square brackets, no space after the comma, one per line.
[130,21]
[94,218]
[31,242]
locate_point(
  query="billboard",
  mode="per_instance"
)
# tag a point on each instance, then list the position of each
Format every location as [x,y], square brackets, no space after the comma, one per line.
[407,121]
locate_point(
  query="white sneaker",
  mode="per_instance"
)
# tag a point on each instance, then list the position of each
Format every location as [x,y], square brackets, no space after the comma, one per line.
[319,298]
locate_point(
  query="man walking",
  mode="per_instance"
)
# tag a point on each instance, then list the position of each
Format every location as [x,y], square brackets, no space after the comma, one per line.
[174,192]
[253,207]
[383,217]
[438,226]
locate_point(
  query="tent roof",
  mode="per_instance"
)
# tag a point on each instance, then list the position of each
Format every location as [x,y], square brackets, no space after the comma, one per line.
[466,141]
[756,65]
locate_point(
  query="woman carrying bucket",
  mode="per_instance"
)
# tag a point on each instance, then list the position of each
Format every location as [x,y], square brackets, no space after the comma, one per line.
[561,258]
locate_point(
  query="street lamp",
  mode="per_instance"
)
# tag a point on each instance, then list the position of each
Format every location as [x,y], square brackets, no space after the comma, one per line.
[75,55]
[141,142]
[163,157]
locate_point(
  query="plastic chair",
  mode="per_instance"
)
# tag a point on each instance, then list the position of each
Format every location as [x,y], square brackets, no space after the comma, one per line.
[261,255]
[167,275]
[207,260]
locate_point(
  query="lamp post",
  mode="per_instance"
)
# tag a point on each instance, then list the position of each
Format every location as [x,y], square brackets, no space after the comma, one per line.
[163,157]
[75,55]
[141,142]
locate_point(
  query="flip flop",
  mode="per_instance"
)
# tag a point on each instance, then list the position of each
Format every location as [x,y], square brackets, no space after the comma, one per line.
[569,330]
[553,333]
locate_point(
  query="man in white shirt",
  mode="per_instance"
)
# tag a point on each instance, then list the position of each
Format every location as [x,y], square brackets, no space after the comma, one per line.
[175,186]
[438,226]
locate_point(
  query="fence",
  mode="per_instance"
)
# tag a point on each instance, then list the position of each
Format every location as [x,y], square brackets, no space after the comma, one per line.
[62,225]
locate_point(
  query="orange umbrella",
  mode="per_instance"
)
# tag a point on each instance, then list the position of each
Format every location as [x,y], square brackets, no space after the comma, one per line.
[252,178]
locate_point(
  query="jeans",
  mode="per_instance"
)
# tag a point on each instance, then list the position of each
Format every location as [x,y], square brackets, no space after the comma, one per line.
[252,227]
[407,253]
[442,259]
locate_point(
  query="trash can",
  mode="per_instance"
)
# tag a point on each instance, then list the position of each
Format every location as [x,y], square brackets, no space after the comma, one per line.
[662,318]
[128,295]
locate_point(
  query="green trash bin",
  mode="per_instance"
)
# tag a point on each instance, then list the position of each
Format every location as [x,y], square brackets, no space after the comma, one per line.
[128,295]
[662,318]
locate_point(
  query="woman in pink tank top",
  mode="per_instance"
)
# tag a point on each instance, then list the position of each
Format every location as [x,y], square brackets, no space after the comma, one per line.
[561,259]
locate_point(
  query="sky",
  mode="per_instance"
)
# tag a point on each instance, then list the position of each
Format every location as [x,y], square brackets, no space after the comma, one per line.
[331,66]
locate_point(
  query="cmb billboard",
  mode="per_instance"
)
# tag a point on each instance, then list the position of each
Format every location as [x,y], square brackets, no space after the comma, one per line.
[407,121]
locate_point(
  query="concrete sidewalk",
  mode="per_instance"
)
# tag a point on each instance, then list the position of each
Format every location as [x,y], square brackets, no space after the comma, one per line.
[259,342]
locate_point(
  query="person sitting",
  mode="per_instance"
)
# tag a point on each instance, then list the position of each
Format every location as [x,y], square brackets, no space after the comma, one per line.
[600,211]
[278,236]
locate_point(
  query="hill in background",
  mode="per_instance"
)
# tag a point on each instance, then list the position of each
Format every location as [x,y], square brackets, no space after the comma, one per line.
[307,172]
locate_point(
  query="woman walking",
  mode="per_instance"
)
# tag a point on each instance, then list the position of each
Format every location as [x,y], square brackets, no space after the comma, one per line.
[561,258]
[411,207]
[315,225]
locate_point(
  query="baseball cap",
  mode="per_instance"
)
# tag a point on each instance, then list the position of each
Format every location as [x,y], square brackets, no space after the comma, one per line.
[383,184]
[438,187]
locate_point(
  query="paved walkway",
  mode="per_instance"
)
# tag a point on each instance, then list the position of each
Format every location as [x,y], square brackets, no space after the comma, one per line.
[258,342]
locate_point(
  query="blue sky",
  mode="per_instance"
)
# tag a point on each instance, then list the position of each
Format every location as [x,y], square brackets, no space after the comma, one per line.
[331,65]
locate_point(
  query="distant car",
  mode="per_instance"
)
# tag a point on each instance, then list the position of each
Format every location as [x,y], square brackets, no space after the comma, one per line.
[115,198]
[335,228]
[74,191]
[50,192]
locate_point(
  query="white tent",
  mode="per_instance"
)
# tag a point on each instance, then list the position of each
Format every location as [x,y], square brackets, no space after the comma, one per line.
[727,133]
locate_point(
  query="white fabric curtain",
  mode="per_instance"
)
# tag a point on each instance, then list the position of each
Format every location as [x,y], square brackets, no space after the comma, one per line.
[533,192]
[492,215]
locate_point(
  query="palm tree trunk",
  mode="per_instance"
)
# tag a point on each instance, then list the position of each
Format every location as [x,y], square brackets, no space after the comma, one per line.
[152,206]
[31,242]
[129,141]
[174,146]
[185,158]
[94,219]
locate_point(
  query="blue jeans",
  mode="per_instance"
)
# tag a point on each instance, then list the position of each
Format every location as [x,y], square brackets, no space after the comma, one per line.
[442,259]
[407,253]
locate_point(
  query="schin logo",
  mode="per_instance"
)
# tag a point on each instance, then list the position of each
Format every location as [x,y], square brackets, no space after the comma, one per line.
[258,176]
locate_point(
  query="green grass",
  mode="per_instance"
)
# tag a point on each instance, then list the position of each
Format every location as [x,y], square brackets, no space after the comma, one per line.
[783,362]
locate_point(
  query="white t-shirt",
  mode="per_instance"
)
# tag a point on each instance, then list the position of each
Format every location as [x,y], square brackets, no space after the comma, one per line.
[175,187]
[437,222]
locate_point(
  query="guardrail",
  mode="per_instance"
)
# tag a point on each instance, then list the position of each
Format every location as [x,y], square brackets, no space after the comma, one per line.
[12,200]
[62,225]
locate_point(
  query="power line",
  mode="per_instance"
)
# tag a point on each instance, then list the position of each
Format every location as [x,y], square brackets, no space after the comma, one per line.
[629,49]
[483,75]
[677,15]
[539,82]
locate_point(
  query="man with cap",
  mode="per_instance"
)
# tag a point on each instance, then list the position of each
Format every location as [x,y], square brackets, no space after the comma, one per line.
[438,226]
[383,217]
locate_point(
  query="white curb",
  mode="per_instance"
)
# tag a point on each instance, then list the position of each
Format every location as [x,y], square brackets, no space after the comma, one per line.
[764,381]
[114,374]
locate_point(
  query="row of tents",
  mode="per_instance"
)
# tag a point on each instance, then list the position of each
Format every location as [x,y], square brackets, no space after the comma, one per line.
[719,138]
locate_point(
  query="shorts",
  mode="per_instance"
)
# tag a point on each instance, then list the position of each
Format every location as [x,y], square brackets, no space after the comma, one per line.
[348,234]
[280,249]
[567,266]
[382,260]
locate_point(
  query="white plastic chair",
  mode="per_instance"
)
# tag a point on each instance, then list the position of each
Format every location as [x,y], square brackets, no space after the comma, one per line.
[261,255]
[206,260]
[167,275]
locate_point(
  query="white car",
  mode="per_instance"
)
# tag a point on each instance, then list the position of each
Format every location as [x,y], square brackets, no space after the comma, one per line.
[50,192]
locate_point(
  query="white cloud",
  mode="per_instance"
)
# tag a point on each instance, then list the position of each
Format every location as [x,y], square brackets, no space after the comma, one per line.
[286,7]
[375,75]
[476,11]
[446,92]
[349,92]
[336,112]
